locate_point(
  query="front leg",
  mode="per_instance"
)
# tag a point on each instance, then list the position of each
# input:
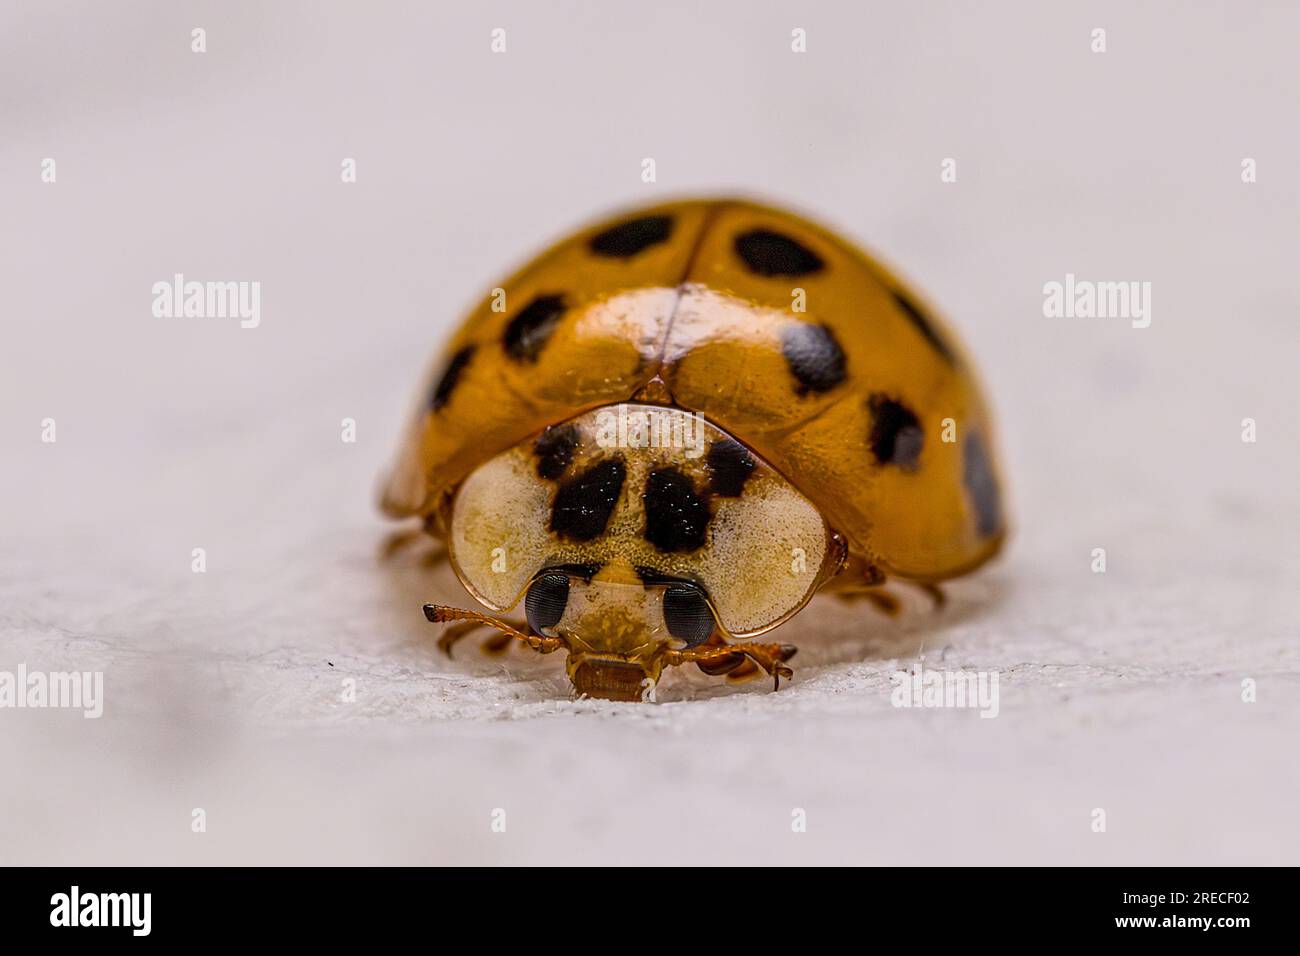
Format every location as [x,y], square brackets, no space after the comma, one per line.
[862,580]
[405,539]
[495,645]
[725,658]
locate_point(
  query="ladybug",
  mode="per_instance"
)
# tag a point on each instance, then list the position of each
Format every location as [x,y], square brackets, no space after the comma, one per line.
[668,432]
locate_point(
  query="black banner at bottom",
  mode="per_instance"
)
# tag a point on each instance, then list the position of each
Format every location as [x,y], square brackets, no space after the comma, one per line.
[336,906]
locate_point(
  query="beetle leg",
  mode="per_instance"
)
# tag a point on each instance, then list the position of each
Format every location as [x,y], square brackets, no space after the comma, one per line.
[770,657]
[934,591]
[399,540]
[724,665]
[494,645]
[884,602]
[862,579]
[452,635]
[404,539]
[887,603]
[497,644]
[434,557]
[856,572]
[748,670]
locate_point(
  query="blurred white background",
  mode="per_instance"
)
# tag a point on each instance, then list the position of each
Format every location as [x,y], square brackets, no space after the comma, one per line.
[1119,691]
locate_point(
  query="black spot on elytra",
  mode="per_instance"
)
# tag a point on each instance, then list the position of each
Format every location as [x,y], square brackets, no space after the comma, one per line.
[922,325]
[554,449]
[442,391]
[977,476]
[676,518]
[584,503]
[814,357]
[533,326]
[627,239]
[730,465]
[896,435]
[769,253]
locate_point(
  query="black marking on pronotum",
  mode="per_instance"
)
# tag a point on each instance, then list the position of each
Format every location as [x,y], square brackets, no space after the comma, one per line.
[730,465]
[627,239]
[896,435]
[977,476]
[584,571]
[554,449]
[922,324]
[770,253]
[584,503]
[533,326]
[676,518]
[653,576]
[815,358]
[442,391]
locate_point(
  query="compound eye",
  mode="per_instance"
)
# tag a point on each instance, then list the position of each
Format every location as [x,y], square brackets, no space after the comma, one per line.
[545,601]
[687,614]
